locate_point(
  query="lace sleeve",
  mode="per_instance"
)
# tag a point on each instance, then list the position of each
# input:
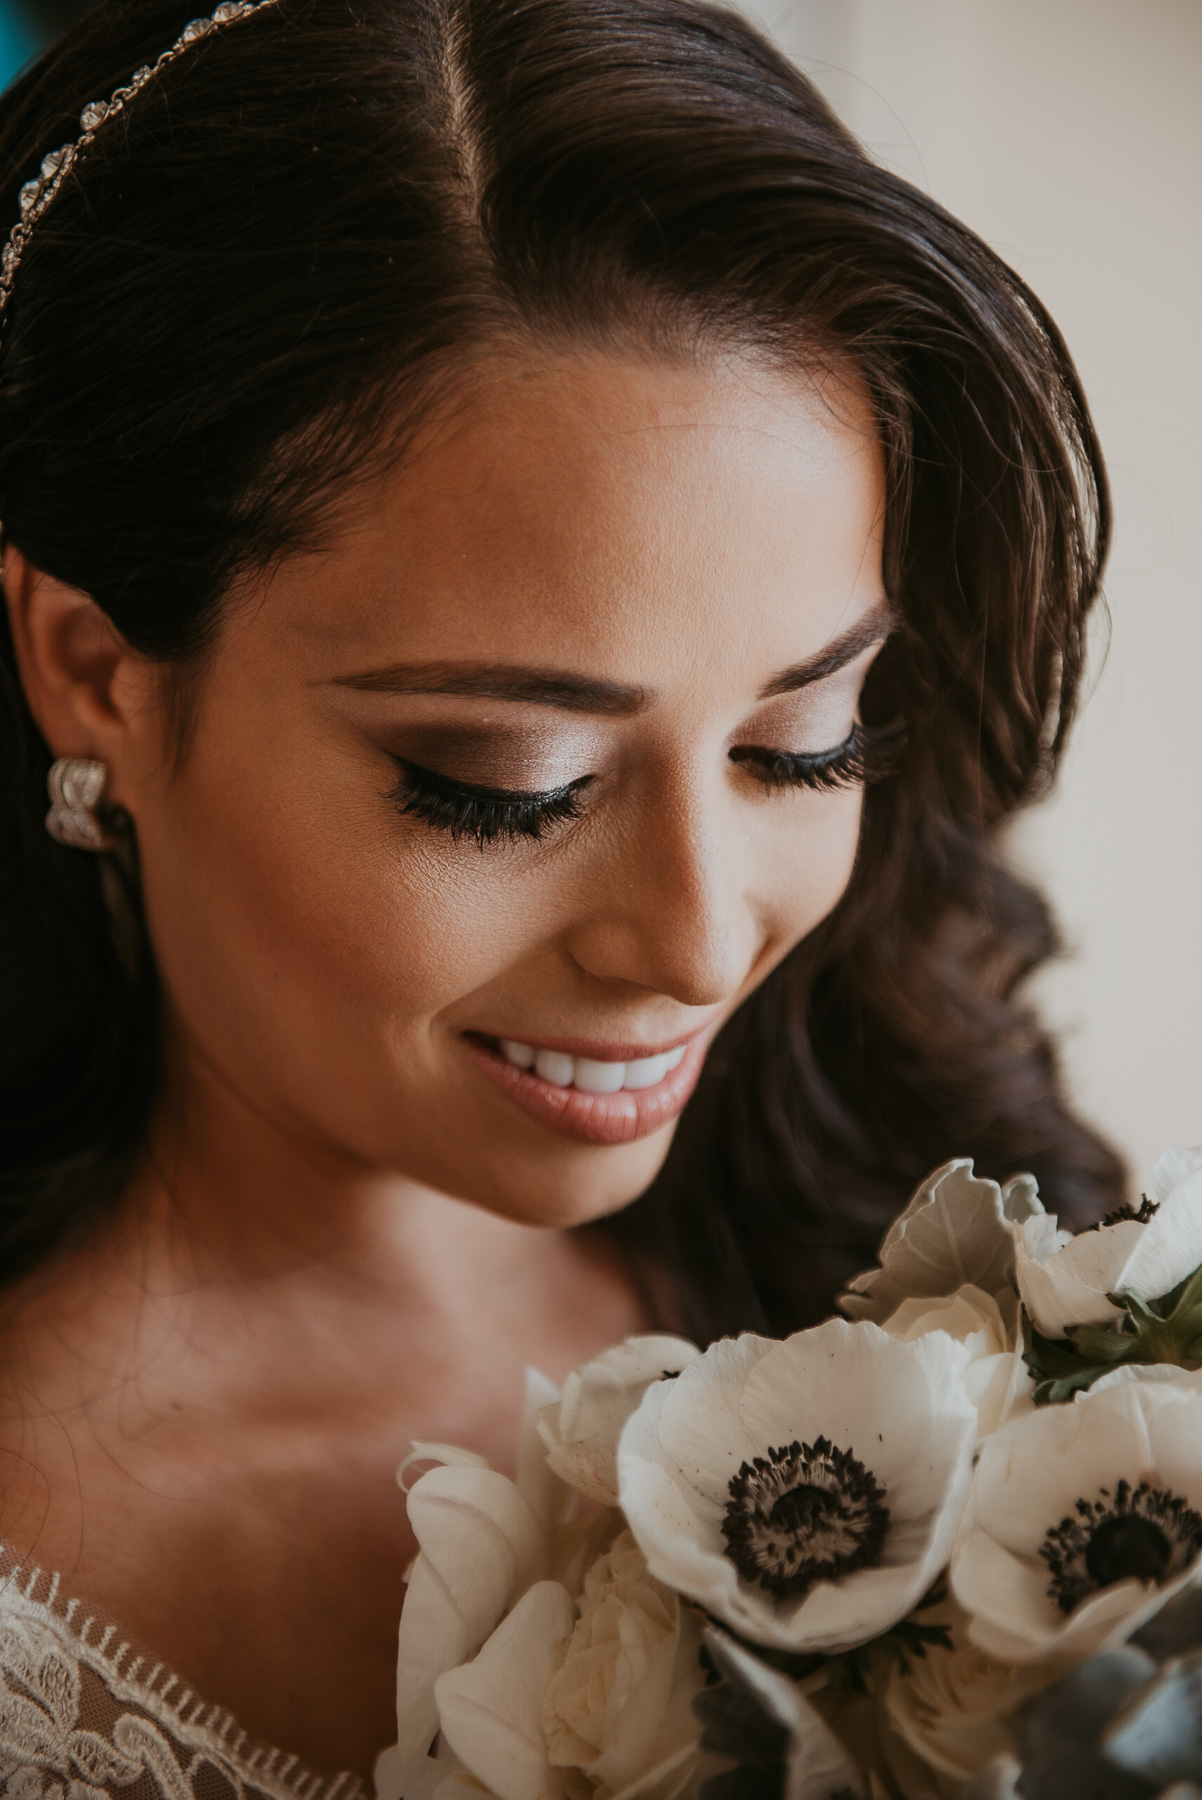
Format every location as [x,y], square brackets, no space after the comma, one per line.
[84,1714]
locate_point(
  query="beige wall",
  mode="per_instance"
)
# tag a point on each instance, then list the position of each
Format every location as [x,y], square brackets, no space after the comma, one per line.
[1069,134]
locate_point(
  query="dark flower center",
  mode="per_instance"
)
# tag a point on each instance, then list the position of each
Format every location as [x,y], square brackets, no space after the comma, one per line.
[801,1514]
[802,1508]
[1125,1547]
[1142,1533]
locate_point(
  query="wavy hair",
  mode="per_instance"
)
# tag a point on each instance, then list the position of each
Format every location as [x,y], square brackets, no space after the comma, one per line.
[305,228]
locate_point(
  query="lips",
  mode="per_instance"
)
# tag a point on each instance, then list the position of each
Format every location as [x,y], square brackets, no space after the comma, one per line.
[612,1096]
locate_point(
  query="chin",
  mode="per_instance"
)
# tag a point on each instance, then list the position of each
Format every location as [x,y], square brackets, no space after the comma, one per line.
[558,1192]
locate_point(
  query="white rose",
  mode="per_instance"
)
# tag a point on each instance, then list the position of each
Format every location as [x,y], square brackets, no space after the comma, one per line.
[1084,1519]
[581,1430]
[619,1707]
[1064,1280]
[949,1705]
[591,1700]
[805,1492]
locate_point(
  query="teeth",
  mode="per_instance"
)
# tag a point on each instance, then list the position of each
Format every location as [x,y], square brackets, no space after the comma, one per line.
[598,1077]
[555,1067]
[650,1069]
[589,1076]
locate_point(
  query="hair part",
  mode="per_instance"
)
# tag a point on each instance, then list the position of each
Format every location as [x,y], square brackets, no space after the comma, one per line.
[310,230]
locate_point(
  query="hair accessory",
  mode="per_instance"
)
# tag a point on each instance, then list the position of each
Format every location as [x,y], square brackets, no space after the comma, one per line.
[75,785]
[38,194]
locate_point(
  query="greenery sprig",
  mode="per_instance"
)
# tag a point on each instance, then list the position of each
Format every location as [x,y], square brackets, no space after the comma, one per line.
[1168,1330]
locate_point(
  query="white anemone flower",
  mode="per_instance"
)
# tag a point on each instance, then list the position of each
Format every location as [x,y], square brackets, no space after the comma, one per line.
[581,1430]
[956,1232]
[807,1492]
[1084,1519]
[619,1708]
[1065,1280]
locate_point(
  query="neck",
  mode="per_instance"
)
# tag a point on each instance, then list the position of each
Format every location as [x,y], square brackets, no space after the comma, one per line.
[241,1244]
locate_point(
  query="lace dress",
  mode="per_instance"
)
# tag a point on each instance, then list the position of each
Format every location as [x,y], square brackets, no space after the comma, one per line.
[84,1714]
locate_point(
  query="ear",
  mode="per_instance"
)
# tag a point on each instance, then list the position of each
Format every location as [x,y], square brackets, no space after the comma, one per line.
[82,680]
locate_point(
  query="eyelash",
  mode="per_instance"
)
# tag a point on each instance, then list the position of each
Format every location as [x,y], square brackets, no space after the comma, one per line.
[482,813]
[867,754]
[485,814]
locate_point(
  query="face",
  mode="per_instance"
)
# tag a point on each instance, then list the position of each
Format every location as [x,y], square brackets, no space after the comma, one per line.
[496,810]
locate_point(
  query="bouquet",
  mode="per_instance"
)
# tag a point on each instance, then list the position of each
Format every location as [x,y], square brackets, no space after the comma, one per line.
[946,1546]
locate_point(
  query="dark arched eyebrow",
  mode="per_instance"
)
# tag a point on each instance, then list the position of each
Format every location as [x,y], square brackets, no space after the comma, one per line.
[872,629]
[504,681]
[569,692]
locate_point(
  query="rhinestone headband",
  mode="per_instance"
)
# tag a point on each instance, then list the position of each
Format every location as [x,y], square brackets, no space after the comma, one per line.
[37,195]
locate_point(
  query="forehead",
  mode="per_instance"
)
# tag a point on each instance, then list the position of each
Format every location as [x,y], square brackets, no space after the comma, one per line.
[620,512]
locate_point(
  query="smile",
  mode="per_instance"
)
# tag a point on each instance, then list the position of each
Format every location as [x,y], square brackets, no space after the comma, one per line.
[611,1098]
[588,1075]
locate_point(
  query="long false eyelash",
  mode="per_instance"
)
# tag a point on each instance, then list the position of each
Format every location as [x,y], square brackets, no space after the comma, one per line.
[482,813]
[869,753]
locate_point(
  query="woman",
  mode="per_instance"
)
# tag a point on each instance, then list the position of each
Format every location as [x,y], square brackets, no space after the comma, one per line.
[536,575]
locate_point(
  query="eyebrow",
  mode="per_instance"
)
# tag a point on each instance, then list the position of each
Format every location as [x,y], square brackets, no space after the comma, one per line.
[569,692]
[872,629]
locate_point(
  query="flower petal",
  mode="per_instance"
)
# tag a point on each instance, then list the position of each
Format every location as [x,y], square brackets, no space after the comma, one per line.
[581,1432]
[701,1429]
[491,1709]
[1066,1283]
[965,1315]
[754,1696]
[1174,1167]
[1170,1245]
[481,1547]
[953,1233]
[537,1483]
[847,1382]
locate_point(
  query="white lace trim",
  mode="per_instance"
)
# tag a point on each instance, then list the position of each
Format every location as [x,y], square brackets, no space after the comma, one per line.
[84,1713]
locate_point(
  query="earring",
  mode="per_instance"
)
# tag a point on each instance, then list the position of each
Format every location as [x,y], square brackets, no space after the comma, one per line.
[75,785]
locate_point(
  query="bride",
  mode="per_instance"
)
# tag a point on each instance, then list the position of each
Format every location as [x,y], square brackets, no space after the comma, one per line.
[536,576]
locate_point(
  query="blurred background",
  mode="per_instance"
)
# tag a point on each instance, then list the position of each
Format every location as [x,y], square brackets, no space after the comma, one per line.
[1068,133]
[27,26]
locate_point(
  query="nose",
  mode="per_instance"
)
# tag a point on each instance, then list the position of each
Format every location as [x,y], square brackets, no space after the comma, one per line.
[672,910]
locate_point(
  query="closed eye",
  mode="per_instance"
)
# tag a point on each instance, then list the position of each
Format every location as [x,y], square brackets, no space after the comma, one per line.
[466,809]
[867,754]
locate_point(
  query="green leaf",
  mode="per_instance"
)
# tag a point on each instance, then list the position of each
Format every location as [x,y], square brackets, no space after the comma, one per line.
[1049,1393]
[1098,1345]
[1168,1331]
[1187,1293]
[1063,1367]
[1138,1308]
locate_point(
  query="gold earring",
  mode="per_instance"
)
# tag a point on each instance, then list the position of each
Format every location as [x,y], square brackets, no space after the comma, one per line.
[75,785]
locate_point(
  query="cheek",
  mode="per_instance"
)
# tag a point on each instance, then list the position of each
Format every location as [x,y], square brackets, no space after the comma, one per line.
[280,926]
[809,864]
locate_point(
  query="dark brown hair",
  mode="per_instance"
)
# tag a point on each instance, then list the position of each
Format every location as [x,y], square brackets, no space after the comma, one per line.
[317,216]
